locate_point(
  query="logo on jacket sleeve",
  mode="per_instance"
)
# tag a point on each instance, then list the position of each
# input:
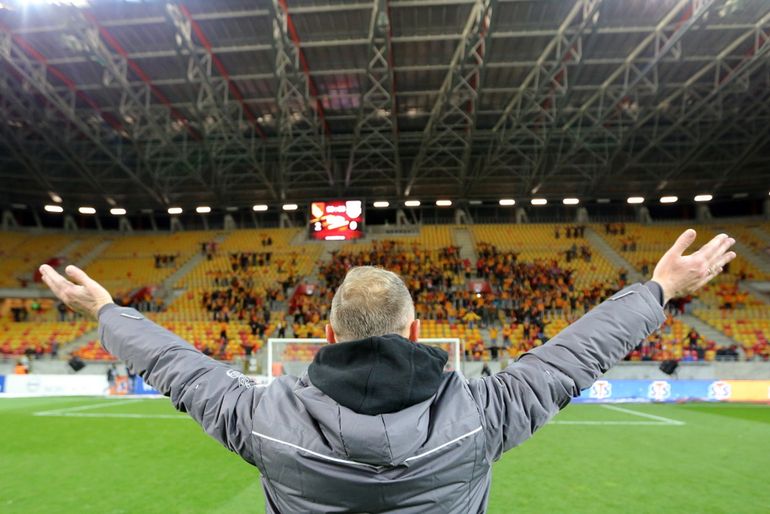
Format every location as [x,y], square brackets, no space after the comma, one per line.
[243,380]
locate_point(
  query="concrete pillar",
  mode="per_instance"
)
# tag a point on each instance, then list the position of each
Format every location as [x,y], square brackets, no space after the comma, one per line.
[205,221]
[582,215]
[69,224]
[401,219]
[230,222]
[124,225]
[521,215]
[9,221]
[176,225]
[462,217]
[702,212]
[643,215]
[286,221]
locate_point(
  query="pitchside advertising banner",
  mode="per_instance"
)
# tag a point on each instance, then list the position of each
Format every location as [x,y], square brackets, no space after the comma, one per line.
[677,391]
[53,385]
[601,391]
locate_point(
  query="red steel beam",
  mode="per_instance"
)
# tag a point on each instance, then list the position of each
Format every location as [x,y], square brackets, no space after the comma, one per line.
[392,64]
[66,80]
[294,35]
[222,70]
[157,93]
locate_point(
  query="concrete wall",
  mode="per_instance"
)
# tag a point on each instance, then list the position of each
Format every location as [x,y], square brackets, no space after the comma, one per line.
[650,371]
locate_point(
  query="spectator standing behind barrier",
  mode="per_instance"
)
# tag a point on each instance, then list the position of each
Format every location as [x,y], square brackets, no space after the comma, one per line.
[112,377]
[376,424]
[20,368]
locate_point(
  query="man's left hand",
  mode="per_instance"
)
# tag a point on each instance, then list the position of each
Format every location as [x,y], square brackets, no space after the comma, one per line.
[81,293]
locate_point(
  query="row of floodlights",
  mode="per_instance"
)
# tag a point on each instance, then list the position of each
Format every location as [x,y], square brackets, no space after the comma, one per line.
[382,204]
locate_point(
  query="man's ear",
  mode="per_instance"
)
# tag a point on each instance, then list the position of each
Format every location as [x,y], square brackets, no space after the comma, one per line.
[330,337]
[414,331]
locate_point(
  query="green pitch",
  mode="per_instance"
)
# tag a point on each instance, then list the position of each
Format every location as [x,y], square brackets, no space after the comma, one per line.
[96,455]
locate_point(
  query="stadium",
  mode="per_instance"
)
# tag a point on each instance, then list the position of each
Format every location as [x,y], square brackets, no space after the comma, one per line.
[220,166]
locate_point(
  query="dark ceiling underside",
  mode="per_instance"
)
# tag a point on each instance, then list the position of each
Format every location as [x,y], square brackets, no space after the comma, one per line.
[154,103]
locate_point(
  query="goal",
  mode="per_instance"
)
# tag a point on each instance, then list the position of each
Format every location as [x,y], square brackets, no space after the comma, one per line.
[291,356]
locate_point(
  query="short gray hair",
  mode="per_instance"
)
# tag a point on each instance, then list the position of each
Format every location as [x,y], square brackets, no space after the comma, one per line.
[370,302]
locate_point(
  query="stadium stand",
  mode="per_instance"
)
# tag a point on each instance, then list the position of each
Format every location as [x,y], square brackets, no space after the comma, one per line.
[642,245]
[21,253]
[253,284]
[534,242]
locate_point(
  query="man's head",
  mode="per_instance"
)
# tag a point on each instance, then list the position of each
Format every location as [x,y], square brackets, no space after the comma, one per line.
[371,302]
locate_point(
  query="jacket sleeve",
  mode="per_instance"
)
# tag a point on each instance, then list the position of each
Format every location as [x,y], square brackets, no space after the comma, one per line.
[527,394]
[221,399]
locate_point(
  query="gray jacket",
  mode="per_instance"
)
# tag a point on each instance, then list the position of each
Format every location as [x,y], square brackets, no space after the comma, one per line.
[317,454]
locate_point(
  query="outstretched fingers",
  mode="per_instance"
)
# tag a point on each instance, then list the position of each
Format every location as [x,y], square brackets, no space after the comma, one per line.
[723,260]
[712,250]
[721,251]
[57,283]
[78,275]
[683,242]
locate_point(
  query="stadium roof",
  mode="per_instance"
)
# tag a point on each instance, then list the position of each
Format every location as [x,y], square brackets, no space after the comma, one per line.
[155,103]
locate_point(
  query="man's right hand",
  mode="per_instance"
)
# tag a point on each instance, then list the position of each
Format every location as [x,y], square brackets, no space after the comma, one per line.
[85,295]
[681,275]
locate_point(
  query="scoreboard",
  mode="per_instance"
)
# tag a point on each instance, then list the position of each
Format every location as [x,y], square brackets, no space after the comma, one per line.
[337,220]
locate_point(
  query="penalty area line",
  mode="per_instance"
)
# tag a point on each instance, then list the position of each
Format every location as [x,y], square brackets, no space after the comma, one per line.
[126,415]
[660,419]
[66,410]
[591,422]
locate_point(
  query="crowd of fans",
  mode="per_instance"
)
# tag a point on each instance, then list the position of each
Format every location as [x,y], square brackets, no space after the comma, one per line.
[570,232]
[164,260]
[512,299]
[505,293]
[243,261]
[240,300]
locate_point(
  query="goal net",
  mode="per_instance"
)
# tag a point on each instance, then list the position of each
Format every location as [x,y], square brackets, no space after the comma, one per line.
[288,356]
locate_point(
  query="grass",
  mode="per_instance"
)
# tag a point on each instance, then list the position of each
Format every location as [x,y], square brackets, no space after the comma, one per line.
[716,461]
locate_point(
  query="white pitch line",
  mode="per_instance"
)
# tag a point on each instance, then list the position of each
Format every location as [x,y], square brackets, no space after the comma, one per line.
[667,421]
[642,423]
[89,406]
[114,415]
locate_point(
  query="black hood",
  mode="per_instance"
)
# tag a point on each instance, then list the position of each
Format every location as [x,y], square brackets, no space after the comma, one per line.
[378,375]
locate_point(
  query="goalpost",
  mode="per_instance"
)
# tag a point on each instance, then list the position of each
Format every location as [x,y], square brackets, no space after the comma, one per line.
[292,356]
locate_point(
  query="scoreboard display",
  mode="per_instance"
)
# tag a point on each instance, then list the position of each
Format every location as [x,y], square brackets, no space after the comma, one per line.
[337,220]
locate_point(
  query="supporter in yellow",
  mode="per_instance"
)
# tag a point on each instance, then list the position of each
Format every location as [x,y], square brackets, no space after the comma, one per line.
[470,317]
